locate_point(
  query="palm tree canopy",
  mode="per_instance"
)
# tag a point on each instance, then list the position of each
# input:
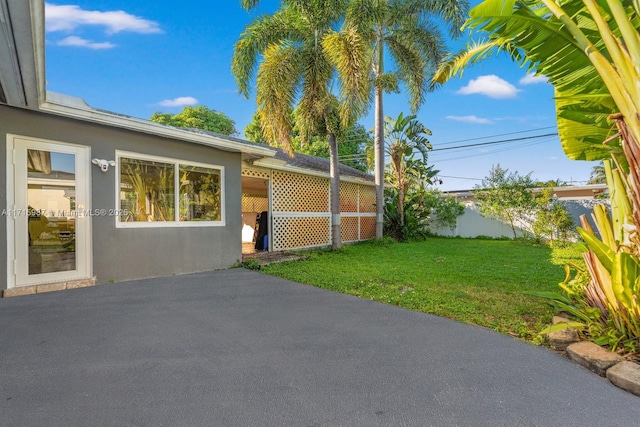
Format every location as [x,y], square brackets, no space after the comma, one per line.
[561,45]
[296,49]
[410,32]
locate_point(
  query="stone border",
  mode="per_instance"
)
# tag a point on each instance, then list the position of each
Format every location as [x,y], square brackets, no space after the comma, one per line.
[48,287]
[620,372]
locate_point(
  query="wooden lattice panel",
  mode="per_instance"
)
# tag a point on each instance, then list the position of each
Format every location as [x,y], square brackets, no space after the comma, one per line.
[367,227]
[349,228]
[367,198]
[348,197]
[296,232]
[254,203]
[255,174]
[299,193]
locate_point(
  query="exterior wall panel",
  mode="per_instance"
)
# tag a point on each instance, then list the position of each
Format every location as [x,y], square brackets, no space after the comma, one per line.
[301,215]
[132,253]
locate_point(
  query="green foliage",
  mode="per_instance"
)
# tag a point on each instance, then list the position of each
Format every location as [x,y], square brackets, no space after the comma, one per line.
[586,51]
[423,212]
[506,196]
[597,175]
[590,52]
[604,294]
[249,264]
[445,210]
[253,131]
[295,64]
[413,225]
[552,220]
[474,281]
[198,117]
[403,136]
[351,149]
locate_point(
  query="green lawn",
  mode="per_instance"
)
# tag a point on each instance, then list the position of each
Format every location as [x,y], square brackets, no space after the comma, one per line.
[474,281]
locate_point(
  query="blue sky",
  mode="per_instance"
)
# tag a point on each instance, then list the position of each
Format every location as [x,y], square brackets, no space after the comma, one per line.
[139,57]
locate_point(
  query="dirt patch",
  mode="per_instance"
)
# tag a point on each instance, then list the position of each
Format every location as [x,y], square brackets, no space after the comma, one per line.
[266,258]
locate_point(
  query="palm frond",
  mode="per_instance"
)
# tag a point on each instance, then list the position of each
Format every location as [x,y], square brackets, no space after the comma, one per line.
[411,69]
[277,84]
[254,40]
[349,53]
[475,52]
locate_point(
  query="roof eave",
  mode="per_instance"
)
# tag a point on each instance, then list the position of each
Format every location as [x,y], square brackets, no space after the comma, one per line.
[284,166]
[86,113]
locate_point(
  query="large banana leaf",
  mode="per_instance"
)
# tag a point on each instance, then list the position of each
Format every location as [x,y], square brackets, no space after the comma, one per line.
[535,37]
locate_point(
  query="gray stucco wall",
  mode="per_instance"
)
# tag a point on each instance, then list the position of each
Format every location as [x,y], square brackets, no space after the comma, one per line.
[122,254]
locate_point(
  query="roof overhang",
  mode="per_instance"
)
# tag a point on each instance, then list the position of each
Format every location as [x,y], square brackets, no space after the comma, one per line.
[277,164]
[68,106]
[23,83]
[18,68]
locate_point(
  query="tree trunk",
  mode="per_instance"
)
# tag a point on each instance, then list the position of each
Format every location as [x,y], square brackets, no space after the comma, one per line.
[334,172]
[378,69]
[401,187]
[379,163]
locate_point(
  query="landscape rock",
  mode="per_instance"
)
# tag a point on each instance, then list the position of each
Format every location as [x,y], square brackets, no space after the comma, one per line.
[626,375]
[593,357]
[560,340]
[560,319]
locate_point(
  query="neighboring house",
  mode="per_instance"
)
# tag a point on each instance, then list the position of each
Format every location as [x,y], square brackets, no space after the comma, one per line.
[578,200]
[93,196]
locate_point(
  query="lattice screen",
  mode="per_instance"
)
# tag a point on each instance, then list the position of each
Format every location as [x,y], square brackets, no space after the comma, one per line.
[367,198]
[254,203]
[255,174]
[349,228]
[348,197]
[290,232]
[367,227]
[299,193]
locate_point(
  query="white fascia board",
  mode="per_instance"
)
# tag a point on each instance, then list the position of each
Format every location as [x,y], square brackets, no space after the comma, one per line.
[283,166]
[78,109]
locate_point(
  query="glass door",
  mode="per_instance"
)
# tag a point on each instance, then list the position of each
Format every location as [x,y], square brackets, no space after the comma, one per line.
[51,218]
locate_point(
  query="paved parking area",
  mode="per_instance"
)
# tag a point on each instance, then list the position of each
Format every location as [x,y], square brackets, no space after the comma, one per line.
[238,348]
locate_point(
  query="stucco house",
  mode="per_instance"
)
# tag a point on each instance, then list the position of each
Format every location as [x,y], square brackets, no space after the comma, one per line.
[92,196]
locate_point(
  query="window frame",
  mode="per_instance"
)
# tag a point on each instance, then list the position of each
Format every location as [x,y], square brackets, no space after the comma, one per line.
[120,154]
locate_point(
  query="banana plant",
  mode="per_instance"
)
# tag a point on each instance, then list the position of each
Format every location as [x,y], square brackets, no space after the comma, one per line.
[590,51]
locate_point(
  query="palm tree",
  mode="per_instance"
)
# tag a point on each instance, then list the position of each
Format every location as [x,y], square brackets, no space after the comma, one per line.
[404,135]
[407,33]
[295,72]
[598,175]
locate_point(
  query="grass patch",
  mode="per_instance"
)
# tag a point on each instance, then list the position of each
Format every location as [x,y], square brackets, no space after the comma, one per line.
[474,281]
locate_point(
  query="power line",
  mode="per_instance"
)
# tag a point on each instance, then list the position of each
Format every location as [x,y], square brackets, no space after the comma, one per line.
[493,136]
[503,149]
[495,142]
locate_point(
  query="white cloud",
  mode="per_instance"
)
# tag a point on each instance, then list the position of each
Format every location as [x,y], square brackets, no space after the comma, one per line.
[180,101]
[70,17]
[531,79]
[470,119]
[80,42]
[491,86]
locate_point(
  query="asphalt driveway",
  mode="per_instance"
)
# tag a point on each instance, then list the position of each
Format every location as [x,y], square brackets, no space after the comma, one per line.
[239,348]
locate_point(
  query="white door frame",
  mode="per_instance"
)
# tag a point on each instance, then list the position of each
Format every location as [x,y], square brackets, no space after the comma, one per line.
[17,220]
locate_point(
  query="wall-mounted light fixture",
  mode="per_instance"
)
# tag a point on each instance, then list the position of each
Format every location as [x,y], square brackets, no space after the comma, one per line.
[103,164]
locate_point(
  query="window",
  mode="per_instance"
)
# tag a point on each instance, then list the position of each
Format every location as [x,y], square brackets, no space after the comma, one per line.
[156,191]
[199,194]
